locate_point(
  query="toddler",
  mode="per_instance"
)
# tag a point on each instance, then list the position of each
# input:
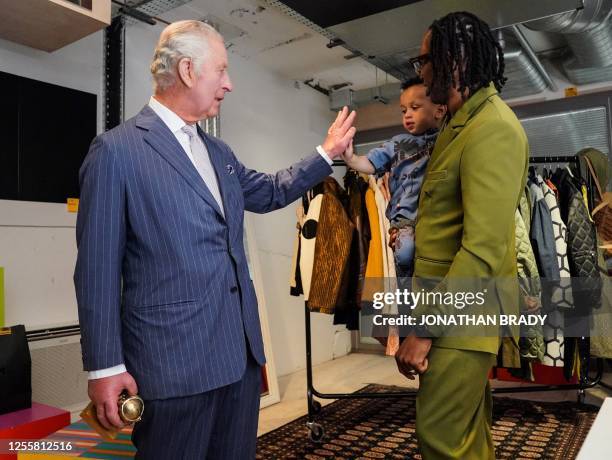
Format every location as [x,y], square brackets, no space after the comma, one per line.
[405,156]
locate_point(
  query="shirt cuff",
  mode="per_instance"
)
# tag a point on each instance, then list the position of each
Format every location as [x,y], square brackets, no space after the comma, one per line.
[379,164]
[324,154]
[108,372]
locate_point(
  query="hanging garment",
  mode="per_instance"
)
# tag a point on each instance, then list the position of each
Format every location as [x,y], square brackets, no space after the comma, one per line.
[584,266]
[531,343]
[600,166]
[356,187]
[381,203]
[597,172]
[374,276]
[349,300]
[308,239]
[601,204]
[374,266]
[542,236]
[525,210]
[389,279]
[544,248]
[295,277]
[553,187]
[333,241]
[383,185]
[582,244]
[561,295]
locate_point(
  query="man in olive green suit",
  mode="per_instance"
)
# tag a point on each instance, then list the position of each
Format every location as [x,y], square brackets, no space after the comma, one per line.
[465,229]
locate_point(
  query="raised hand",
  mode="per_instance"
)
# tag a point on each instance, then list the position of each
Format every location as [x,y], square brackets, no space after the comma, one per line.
[349,153]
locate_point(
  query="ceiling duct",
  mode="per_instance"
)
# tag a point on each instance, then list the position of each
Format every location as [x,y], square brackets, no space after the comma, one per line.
[523,78]
[387,32]
[588,32]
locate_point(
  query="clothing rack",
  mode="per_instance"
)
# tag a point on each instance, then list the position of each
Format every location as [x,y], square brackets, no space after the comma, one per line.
[553,159]
[584,383]
[316,431]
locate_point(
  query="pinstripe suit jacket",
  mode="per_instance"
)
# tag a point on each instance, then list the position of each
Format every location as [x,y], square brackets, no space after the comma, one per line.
[161,277]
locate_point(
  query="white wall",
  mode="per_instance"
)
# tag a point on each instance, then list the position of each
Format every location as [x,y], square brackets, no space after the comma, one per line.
[270,124]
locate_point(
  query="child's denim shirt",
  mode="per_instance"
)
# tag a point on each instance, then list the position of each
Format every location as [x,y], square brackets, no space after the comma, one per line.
[406,157]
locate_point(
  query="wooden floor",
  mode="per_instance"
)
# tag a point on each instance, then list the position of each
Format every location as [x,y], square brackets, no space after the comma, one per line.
[354,371]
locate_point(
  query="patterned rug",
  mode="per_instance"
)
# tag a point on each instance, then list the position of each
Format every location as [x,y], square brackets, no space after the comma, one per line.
[85,442]
[384,428]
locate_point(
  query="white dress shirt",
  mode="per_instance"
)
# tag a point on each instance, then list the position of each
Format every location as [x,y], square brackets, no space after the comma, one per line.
[175,124]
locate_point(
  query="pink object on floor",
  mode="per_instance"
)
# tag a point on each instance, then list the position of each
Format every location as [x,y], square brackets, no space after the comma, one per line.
[35,423]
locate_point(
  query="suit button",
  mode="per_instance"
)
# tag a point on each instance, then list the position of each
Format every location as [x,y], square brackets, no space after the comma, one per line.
[233,289]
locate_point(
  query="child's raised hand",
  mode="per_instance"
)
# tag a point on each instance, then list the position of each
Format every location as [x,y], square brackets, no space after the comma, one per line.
[359,163]
[348,154]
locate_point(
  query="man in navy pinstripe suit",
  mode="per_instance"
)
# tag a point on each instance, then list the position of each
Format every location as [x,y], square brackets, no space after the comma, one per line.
[166,305]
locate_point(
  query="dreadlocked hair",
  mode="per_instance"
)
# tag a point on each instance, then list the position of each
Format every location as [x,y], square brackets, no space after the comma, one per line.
[461,41]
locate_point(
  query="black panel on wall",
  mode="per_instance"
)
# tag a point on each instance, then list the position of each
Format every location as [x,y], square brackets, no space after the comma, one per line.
[9,123]
[55,127]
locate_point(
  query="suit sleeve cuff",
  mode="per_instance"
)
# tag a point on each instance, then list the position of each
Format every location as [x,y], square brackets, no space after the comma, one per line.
[324,154]
[108,372]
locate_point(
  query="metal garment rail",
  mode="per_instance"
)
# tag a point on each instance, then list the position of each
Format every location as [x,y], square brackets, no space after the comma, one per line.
[316,431]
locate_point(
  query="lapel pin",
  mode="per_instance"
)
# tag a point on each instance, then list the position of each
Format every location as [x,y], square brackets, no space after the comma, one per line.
[230,169]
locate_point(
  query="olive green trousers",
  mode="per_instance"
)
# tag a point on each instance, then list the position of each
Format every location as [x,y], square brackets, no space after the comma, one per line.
[454,406]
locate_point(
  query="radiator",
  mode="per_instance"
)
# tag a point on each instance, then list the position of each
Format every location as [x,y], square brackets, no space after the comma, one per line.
[58,378]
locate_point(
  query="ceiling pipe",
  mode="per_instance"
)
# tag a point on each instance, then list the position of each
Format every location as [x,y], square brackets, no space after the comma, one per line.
[588,32]
[534,58]
[592,14]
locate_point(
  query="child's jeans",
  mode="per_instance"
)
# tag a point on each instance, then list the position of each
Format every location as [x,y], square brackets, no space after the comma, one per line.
[403,249]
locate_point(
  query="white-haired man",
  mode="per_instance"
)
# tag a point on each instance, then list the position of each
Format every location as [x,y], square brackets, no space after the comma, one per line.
[166,305]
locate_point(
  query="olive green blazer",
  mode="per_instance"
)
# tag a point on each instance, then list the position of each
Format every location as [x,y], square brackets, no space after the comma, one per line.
[465,227]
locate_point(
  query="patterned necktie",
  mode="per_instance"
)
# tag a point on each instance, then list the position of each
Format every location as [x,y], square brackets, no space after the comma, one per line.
[203,163]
